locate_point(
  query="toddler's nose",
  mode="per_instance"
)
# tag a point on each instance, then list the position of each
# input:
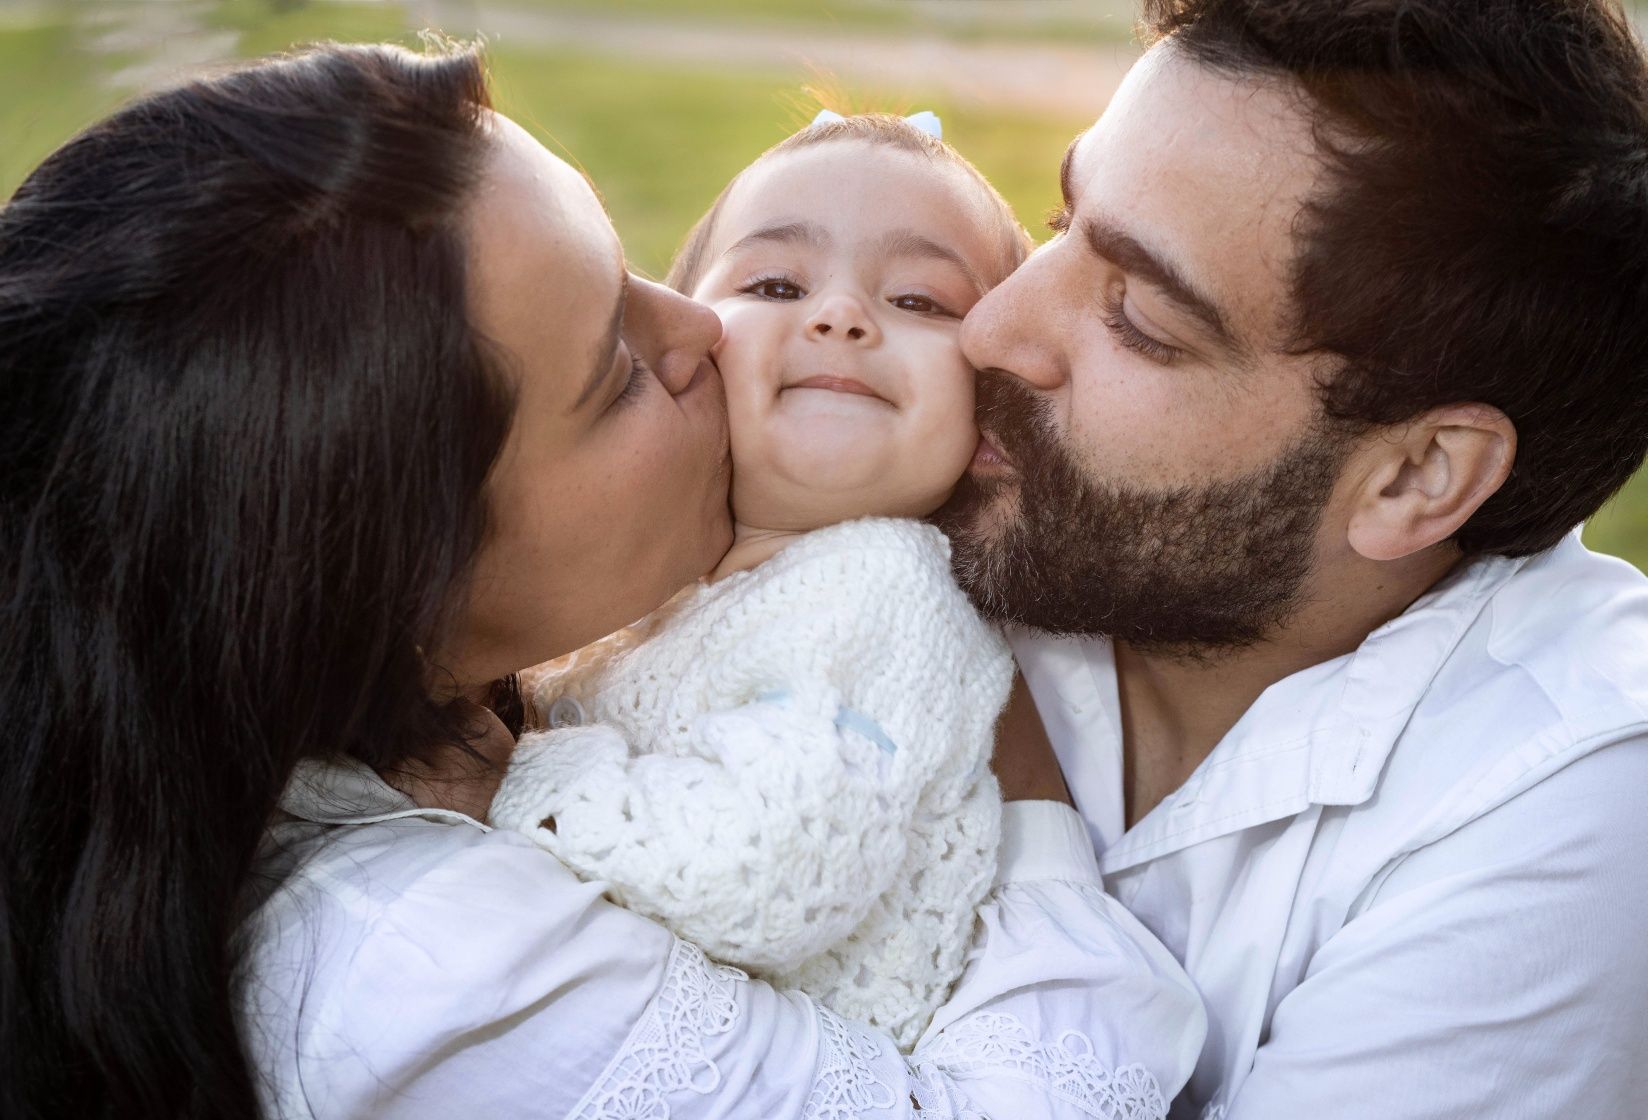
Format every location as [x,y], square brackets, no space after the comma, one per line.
[842,317]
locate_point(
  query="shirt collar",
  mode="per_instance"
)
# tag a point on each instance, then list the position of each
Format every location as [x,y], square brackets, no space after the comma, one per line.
[347,791]
[1320,736]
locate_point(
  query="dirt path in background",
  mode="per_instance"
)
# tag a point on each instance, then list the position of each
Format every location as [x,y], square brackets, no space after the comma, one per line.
[1073,80]
[153,41]
[159,40]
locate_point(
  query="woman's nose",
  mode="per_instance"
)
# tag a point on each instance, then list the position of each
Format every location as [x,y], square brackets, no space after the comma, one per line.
[676,333]
[844,318]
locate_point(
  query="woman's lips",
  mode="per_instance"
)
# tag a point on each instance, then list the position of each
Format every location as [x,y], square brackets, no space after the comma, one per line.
[838,385]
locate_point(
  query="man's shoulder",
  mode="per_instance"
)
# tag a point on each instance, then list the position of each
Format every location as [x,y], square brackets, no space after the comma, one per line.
[1552,670]
[1562,646]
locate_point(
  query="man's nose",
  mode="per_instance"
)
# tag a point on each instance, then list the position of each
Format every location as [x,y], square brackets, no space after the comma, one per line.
[842,317]
[1016,328]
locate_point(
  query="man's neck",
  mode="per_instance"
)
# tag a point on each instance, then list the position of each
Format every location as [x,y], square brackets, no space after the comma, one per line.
[1175,709]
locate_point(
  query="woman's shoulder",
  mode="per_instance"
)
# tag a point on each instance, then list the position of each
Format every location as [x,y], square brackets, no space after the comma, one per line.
[366,880]
[412,936]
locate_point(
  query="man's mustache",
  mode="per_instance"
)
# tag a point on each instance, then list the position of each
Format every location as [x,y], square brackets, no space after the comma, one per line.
[1012,414]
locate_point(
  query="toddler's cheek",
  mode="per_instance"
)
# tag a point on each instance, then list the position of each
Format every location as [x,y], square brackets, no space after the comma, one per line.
[952,400]
[950,431]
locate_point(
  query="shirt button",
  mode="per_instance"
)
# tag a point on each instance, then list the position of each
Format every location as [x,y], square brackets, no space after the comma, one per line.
[566,712]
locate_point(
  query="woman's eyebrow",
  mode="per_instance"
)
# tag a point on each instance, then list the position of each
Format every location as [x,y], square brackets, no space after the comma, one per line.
[908,243]
[607,348]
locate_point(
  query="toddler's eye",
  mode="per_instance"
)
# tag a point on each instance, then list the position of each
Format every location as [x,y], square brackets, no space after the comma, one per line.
[919,304]
[775,289]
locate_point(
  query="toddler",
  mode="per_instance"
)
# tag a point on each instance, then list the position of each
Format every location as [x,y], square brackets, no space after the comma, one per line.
[788,765]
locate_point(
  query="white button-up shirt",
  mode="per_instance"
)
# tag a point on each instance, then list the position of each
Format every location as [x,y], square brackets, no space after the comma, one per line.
[1411,881]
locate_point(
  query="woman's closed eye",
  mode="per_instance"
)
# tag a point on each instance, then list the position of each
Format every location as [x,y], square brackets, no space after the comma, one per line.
[639,375]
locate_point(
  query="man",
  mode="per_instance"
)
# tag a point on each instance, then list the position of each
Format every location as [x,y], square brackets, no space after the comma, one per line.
[1344,330]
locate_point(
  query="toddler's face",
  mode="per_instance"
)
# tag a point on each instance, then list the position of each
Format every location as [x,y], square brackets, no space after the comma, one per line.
[841,273]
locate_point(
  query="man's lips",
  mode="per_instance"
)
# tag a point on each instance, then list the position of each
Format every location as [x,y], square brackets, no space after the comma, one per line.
[988,457]
[837,385]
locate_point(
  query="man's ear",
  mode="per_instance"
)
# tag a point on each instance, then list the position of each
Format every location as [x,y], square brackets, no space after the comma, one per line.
[1423,479]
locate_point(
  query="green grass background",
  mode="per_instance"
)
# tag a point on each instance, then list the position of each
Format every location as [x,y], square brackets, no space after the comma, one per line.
[659,141]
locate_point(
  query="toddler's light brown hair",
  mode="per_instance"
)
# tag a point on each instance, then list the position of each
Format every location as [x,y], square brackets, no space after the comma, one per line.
[1014,242]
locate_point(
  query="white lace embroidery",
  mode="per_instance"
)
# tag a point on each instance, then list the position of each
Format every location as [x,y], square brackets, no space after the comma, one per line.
[664,1054]
[847,1086]
[935,1100]
[1068,1067]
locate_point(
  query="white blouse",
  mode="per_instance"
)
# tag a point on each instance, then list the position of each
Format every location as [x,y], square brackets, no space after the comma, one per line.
[407,962]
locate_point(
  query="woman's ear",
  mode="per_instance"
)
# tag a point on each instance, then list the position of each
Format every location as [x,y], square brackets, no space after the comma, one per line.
[1422,480]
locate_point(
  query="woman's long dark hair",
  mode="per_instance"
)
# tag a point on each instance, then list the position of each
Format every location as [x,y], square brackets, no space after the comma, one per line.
[244,431]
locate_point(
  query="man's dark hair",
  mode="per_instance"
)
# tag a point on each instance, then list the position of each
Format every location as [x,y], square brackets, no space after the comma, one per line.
[1481,233]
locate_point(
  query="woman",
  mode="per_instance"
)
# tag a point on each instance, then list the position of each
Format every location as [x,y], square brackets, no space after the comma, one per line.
[328,405]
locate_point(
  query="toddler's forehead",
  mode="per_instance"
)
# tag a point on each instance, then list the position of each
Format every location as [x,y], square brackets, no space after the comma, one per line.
[856,190]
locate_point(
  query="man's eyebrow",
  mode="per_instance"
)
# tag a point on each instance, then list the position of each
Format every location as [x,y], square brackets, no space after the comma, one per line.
[607,348]
[1118,247]
[789,233]
[909,243]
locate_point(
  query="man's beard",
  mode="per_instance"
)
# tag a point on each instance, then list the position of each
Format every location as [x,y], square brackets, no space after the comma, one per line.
[1191,571]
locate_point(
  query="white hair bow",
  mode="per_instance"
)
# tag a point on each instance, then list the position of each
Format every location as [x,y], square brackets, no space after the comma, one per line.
[926,120]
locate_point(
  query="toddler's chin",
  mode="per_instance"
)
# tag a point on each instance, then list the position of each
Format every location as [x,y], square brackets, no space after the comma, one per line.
[791,507]
[804,482]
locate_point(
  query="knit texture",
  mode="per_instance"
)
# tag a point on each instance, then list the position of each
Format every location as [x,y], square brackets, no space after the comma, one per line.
[791,770]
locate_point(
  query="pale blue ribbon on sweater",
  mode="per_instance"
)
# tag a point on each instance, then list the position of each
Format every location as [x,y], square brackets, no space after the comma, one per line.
[846,719]
[926,121]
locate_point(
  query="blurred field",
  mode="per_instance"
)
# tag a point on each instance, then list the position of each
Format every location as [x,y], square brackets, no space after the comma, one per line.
[661,101]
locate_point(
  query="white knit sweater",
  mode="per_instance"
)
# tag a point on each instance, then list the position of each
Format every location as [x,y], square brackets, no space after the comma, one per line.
[791,770]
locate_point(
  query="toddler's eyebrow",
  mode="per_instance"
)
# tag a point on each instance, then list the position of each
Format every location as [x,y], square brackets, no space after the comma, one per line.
[790,233]
[909,243]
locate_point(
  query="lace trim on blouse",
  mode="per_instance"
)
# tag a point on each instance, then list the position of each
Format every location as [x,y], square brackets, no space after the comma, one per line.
[664,1054]
[935,1100]
[1068,1067]
[847,1086]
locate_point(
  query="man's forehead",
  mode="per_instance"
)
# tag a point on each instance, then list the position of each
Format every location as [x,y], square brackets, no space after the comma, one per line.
[1172,109]
[1212,169]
